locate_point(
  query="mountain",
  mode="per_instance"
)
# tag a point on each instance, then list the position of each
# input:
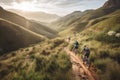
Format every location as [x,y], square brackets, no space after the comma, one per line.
[112,3]
[28,24]
[100,31]
[67,20]
[14,36]
[83,20]
[38,16]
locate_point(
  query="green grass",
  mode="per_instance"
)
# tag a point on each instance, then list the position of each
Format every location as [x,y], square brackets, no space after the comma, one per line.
[18,36]
[58,65]
[33,63]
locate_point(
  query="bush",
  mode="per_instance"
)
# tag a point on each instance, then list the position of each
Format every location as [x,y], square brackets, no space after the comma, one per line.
[31,76]
[115,55]
[112,71]
[57,42]
[71,47]
[93,57]
[40,63]
[101,64]
[106,38]
[64,62]
[116,45]
[98,20]
[103,53]
[117,28]
[52,65]
[108,69]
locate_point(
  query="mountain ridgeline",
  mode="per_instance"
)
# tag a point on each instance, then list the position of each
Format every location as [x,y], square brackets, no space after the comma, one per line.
[38,16]
[13,36]
[78,21]
[29,24]
[100,30]
[17,31]
[33,54]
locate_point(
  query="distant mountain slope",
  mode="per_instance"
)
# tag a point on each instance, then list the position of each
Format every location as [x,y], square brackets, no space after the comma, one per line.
[38,16]
[13,36]
[105,24]
[85,19]
[33,26]
[67,20]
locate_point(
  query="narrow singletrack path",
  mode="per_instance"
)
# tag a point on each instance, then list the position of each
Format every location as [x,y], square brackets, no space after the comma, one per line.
[80,72]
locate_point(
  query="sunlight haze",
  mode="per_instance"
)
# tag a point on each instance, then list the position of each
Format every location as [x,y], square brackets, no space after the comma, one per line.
[59,7]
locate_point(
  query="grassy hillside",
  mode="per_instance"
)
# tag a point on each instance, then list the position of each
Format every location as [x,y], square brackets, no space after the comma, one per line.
[100,31]
[103,39]
[33,26]
[66,21]
[13,36]
[38,16]
[90,19]
[45,31]
[78,21]
[43,61]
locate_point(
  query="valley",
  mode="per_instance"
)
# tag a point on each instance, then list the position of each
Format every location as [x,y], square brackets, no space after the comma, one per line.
[35,50]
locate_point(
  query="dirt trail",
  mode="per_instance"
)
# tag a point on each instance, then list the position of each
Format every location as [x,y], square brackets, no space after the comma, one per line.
[80,72]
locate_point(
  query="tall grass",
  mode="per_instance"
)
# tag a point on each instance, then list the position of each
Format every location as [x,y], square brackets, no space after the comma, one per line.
[53,67]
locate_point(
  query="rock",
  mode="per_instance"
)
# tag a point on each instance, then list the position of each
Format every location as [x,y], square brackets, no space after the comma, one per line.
[112,3]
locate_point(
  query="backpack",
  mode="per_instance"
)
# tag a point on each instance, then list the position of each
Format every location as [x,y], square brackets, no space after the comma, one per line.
[76,44]
[87,50]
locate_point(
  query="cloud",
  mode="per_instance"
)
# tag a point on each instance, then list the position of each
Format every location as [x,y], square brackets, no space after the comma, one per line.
[6,2]
[67,2]
[58,6]
[58,3]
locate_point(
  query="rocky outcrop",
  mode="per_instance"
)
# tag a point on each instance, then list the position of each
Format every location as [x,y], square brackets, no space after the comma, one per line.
[112,3]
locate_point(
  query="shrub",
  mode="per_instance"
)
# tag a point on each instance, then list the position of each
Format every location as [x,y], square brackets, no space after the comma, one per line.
[115,55]
[57,42]
[70,47]
[106,38]
[117,28]
[98,20]
[103,53]
[101,63]
[93,57]
[32,56]
[112,71]
[64,62]
[31,76]
[40,63]
[52,65]
[116,45]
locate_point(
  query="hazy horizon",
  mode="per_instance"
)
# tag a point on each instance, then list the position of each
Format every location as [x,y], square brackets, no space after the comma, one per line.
[59,7]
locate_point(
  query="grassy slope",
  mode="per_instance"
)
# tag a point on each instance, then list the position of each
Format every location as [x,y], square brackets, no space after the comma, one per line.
[43,61]
[38,16]
[13,36]
[104,50]
[66,21]
[109,22]
[33,26]
[86,20]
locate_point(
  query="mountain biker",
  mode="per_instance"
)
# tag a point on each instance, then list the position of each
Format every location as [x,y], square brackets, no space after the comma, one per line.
[86,55]
[75,47]
[69,38]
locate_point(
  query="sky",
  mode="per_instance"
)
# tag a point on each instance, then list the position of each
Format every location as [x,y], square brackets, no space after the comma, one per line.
[59,7]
